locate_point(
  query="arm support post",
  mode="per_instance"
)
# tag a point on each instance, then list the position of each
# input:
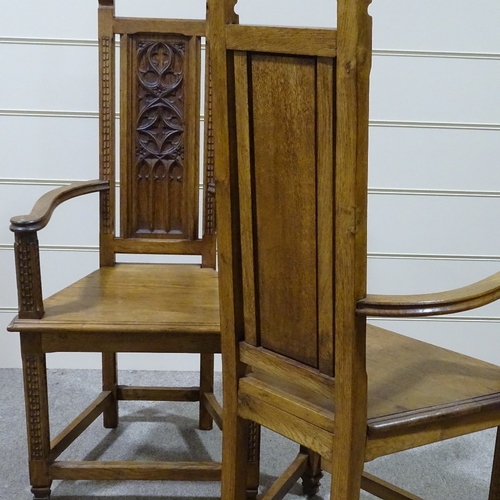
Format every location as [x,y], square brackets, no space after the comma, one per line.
[25,227]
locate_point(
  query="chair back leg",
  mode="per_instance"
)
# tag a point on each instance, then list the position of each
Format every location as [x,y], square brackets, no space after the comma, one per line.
[110,383]
[495,471]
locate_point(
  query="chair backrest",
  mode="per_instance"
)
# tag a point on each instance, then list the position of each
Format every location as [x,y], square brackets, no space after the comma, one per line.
[291,140]
[159,140]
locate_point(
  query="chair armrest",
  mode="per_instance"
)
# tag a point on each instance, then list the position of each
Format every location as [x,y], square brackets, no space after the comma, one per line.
[25,227]
[41,212]
[432,304]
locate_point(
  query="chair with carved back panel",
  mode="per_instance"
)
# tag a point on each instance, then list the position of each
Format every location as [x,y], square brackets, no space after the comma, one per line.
[131,307]
[291,156]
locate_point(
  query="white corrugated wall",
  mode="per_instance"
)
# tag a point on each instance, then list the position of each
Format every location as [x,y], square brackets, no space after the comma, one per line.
[434,180]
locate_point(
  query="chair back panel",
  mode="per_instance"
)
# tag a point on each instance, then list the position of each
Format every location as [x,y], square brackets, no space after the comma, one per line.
[283,220]
[159,136]
[159,97]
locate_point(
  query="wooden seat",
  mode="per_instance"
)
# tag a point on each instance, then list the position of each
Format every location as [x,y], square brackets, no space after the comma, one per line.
[291,144]
[131,307]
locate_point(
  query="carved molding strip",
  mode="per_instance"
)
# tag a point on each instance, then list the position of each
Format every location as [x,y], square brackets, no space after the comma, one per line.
[253,442]
[210,175]
[28,275]
[106,118]
[34,409]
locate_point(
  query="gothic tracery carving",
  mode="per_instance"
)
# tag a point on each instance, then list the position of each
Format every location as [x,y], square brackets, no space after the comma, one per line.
[159,135]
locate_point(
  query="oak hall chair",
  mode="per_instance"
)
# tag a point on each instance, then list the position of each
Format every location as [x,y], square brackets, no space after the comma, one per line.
[163,308]
[291,140]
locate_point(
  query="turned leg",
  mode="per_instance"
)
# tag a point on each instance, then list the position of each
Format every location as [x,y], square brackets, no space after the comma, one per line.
[312,475]
[495,471]
[253,460]
[37,414]
[110,383]
[206,386]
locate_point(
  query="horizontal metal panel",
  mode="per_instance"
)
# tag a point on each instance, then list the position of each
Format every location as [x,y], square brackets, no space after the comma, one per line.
[476,339]
[51,77]
[431,158]
[315,13]
[460,25]
[78,19]
[441,90]
[51,19]
[49,148]
[172,9]
[433,225]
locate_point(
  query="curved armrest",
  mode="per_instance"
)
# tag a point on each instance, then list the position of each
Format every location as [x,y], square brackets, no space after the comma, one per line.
[41,212]
[431,304]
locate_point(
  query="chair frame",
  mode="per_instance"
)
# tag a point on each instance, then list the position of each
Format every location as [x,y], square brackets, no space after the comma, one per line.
[37,341]
[347,438]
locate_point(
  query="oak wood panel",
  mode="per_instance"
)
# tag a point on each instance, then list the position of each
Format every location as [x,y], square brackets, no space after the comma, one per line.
[460,299]
[166,247]
[283,107]
[196,339]
[287,425]
[185,27]
[284,368]
[143,393]
[296,402]
[432,433]
[405,374]
[136,471]
[325,92]
[133,297]
[304,41]
[246,194]
[160,136]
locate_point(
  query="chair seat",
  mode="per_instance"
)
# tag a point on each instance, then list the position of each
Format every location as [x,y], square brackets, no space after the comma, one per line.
[129,299]
[412,383]
[442,384]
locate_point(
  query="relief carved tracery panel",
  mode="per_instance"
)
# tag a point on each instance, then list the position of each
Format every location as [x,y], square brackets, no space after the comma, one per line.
[159,137]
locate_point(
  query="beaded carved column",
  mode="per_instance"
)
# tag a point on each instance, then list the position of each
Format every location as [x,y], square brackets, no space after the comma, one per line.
[29,283]
[107,172]
[209,257]
[37,414]
[253,460]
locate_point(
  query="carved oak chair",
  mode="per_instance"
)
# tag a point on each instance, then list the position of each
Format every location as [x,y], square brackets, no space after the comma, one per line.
[291,141]
[164,308]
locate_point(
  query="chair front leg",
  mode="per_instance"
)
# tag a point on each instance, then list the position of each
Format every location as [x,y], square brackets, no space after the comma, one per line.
[37,414]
